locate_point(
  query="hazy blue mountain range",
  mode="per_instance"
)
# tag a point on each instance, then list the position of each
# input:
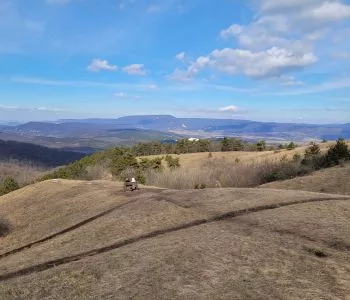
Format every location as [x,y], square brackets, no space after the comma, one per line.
[87,135]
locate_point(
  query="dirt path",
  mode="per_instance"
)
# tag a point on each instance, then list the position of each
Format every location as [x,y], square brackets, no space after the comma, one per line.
[220,217]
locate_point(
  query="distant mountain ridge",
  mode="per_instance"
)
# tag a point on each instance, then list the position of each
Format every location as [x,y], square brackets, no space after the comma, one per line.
[226,127]
[102,133]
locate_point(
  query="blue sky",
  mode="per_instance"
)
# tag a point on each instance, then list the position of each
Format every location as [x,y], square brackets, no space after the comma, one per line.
[268,60]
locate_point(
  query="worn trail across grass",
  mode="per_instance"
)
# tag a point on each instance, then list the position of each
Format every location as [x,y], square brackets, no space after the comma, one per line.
[78,240]
[66,260]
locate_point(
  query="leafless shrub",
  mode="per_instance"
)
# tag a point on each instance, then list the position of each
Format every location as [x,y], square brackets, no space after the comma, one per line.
[223,173]
[5,227]
[97,172]
[23,172]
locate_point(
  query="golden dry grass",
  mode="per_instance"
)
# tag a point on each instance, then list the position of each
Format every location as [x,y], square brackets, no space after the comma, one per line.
[332,180]
[44,208]
[195,160]
[166,244]
[230,169]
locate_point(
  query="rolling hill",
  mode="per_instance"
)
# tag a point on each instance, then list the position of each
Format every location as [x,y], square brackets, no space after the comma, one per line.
[97,134]
[332,180]
[35,154]
[79,240]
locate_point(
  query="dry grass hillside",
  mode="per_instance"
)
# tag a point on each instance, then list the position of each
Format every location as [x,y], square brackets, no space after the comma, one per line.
[196,160]
[332,180]
[79,240]
[232,169]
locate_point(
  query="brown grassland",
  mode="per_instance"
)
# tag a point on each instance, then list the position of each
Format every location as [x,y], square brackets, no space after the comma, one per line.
[71,239]
[227,169]
[80,240]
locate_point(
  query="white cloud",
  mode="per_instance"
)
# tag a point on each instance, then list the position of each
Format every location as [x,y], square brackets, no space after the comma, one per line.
[180,56]
[42,108]
[101,65]
[284,36]
[233,30]
[126,96]
[328,12]
[153,87]
[193,69]
[287,80]
[270,63]
[230,108]
[282,23]
[180,75]
[135,69]
[285,5]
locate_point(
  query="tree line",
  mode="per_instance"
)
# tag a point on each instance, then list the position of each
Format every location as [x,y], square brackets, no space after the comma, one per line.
[183,146]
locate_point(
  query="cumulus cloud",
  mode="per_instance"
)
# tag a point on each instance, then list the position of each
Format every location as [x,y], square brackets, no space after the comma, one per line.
[230,108]
[98,65]
[281,22]
[328,12]
[233,30]
[272,62]
[180,56]
[281,38]
[126,96]
[135,69]
[192,70]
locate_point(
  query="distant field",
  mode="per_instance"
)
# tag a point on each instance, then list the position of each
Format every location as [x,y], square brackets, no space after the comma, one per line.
[196,160]
[79,240]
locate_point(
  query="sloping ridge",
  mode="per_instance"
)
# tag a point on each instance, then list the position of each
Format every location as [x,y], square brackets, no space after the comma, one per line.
[68,259]
[196,222]
[148,215]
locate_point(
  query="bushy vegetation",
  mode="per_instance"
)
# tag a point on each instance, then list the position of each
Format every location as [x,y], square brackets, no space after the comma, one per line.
[335,155]
[225,173]
[338,153]
[5,227]
[124,162]
[183,146]
[8,185]
[120,162]
[173,162]
[289,146]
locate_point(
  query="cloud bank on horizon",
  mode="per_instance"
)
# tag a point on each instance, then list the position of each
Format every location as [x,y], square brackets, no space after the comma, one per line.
[268,60]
